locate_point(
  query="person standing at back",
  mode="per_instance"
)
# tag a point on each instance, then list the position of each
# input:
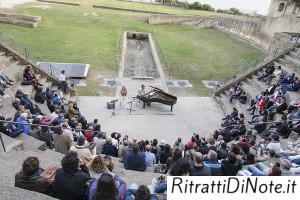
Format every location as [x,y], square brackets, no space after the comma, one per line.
[63,82]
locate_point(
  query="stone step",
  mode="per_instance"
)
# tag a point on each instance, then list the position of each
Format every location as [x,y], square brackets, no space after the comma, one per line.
[14,71]
[227,106]
[292,96]
[284,67]
[32,144]
[289,64]
[7,172]
[140,178]
[4,62]
[7,110]
[18,157]
[297,50]
[248,87]
[11,143]
[294,54]
[292,59]
[259,86]
[13,193]
[44,108]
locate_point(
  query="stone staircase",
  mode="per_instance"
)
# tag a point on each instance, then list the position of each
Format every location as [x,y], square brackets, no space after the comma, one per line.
[19,149]
[13,65]
[290,63]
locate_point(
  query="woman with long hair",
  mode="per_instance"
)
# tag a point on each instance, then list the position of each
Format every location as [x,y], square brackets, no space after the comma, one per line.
[98,165]
[123,93]
[107,187]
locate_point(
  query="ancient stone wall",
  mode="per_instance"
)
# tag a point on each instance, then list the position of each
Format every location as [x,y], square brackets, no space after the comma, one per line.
[281,42]
[173,19]
[259,32]
[246,29]
[18,19]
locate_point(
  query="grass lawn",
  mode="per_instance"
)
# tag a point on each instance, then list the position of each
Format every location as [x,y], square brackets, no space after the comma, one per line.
[140,6]
[66,35]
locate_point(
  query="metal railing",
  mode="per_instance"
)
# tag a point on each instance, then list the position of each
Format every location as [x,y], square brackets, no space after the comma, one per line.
[83,130]
[242,70]
[119,51]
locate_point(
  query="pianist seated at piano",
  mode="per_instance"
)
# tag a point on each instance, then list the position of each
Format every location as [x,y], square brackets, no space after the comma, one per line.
[156,95]
[142,90]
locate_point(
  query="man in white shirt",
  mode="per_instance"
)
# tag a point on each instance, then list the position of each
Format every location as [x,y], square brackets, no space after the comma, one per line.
[142,91]
[63,82]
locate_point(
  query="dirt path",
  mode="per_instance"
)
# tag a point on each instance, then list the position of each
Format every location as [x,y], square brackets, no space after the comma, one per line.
[12,3]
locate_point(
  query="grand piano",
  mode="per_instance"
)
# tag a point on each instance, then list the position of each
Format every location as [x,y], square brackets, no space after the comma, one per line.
[158,95]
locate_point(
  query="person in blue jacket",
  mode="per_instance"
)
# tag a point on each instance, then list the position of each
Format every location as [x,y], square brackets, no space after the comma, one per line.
[23,123]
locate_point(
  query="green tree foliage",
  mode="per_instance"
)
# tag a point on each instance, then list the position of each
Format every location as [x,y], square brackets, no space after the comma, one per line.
[185,4]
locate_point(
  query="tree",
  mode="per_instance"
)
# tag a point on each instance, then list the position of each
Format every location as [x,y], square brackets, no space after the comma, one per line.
[196,5]
[234,11]
[207,7]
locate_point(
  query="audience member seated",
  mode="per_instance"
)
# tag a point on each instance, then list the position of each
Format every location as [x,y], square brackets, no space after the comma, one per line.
[40,96]
[165,153]
[98,165]
[149,157]
[110,149]
[29,77]
[30,177]
[268,72]
[176,155]
[231,165]
[135,160]
[62,143]
[123,147]
[212,163]
[70,181]
[107,186]
[23,123]
[142,193]
[197,167]
[9,129]
[235,94]
[83,152]
[100,141]
[180,168]
[46,135]
[292,86]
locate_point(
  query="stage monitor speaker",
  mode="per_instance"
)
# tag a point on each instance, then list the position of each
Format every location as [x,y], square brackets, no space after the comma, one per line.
[111,105]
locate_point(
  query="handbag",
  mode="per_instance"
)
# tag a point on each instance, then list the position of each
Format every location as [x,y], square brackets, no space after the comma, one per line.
[50,173]
[91,146]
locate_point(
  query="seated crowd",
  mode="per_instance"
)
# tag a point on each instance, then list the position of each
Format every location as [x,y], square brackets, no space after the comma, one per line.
[87,168]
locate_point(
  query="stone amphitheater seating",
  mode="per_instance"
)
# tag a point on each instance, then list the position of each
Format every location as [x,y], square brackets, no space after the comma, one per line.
[290,63]
[18,149]
[23,146]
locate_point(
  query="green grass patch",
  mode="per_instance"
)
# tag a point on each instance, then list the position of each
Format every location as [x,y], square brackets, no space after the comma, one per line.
[141,6]
[67,35]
